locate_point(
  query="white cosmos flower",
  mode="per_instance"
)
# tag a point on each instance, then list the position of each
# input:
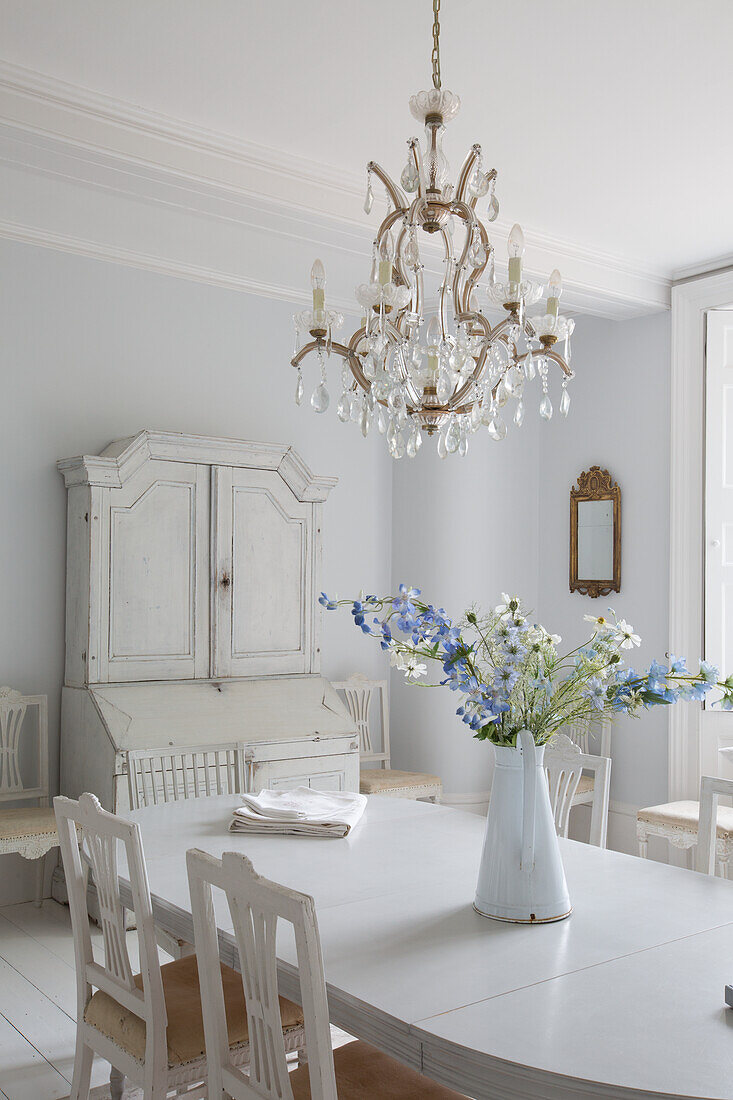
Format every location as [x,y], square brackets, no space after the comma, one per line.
[414,670]
[599,622]
[625,634]
[396,658]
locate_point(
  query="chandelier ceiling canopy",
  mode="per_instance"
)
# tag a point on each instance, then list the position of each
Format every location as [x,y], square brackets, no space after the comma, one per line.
[417,366]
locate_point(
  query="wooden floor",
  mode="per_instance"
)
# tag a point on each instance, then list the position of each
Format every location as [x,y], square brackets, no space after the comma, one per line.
[38,1004]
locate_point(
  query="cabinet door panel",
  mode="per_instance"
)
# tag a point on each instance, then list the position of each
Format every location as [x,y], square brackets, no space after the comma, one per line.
[263,603]
[156,618]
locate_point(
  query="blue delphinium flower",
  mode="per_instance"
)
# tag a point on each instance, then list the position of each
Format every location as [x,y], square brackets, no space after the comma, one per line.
[726,703]
[505,679]
[595,692]
[385,631]
[677,665]
[327,602]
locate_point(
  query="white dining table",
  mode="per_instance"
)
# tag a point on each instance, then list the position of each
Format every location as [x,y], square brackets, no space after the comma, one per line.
[625,999]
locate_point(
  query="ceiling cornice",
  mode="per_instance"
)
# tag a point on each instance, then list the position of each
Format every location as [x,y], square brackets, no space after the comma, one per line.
[93,140]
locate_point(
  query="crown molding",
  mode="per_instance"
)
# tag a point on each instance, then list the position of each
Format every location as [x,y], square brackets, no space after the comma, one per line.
[71,133]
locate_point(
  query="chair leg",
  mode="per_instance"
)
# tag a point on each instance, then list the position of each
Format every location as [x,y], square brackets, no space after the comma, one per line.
[723,865]
[116,1083]
[80,1082]
[40,880]
[643,847]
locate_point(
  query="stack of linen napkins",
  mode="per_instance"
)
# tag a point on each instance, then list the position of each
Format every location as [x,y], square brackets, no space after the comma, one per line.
[300,812]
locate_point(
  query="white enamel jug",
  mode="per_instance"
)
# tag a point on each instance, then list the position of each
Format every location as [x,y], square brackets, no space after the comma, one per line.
[521,877]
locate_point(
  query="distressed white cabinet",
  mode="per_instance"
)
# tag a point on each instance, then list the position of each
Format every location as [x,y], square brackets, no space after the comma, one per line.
[192,559]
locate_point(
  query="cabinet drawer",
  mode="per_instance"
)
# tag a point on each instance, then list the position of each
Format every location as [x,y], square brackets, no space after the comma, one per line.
[322,773]
[304,748]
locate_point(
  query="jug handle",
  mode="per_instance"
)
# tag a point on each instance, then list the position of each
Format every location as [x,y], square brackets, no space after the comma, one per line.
[529,799]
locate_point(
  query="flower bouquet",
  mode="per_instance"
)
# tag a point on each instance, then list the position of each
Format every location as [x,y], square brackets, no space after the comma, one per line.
[517,690]
[509,673]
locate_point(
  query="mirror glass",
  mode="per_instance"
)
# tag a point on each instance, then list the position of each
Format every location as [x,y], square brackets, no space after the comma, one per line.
[595,540]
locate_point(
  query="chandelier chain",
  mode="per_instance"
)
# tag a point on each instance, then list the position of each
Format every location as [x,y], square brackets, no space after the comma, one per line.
[436,44]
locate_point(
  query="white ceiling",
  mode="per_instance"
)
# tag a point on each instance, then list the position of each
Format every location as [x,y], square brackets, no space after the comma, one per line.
[606,120]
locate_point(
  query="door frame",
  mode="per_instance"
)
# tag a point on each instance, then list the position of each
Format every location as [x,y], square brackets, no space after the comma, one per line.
[691,299]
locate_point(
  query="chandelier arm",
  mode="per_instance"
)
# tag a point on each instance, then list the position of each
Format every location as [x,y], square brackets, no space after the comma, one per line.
[394,192]
[398,264]
[465,173]
[477,272]
[467,216]
[444,287]
[548,353]
[320,344]
[414,146]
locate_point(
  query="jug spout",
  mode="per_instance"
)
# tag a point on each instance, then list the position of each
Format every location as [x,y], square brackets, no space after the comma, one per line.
[529,800]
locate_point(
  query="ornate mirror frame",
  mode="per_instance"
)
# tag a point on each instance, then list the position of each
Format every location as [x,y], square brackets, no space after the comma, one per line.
[595,484]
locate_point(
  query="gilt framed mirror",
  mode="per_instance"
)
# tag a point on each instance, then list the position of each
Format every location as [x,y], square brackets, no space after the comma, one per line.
[595,534]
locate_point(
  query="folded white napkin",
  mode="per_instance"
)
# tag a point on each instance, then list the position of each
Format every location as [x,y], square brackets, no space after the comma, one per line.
[300,812]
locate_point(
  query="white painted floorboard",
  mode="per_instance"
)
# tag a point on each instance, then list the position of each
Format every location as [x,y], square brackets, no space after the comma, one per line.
[38,1004]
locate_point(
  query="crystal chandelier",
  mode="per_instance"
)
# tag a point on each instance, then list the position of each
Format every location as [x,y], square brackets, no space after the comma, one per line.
[439,368]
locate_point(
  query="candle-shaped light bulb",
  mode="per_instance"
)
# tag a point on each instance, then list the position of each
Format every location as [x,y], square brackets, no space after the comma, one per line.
[386,254]
[516,251]
[433,338]
[554,290]
[318,282]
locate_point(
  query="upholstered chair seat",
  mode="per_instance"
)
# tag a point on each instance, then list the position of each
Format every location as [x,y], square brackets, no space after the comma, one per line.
[686,815]
[185,1032]
[33,821]
[363,1073]
[383,780]
[678,823]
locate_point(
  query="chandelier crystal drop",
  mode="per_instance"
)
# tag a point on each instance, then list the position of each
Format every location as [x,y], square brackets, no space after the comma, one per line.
[436,366]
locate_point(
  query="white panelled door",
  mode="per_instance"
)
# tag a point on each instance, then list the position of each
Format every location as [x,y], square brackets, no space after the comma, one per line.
[263,606]
[716,728]
[154,620]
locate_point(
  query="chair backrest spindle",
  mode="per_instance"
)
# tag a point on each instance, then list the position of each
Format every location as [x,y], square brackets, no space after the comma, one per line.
[101,834]
[564,767]
[161,775]
[359,695]
[256,906]
[711,787]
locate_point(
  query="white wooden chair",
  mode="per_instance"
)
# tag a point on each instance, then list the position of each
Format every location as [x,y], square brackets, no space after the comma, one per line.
[591,736]
[681,823]
[353,1072]
[29,831]
[360,694]
[149,1026]
[564,768]
[708,842]
[166,775]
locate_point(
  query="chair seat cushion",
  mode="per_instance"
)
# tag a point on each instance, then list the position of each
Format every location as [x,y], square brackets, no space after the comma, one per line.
[363,1071]
[183,1007]
[373,780]
[31,821]
[686,815]
[586,784]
